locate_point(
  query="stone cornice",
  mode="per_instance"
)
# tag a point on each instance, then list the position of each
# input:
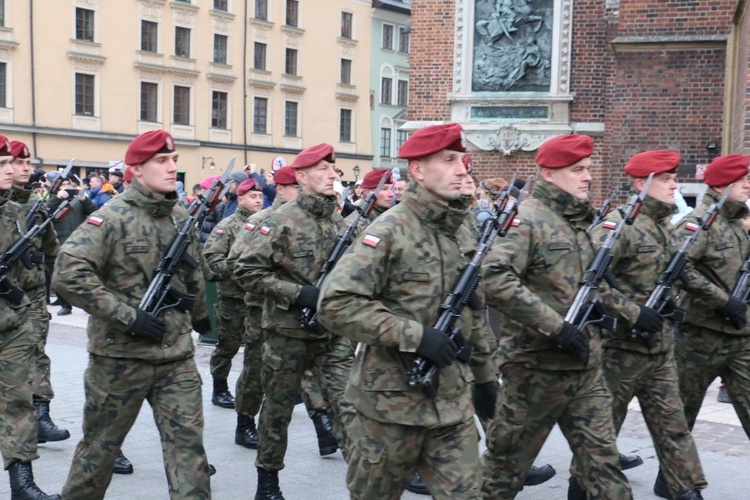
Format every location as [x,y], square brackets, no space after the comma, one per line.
[645,43]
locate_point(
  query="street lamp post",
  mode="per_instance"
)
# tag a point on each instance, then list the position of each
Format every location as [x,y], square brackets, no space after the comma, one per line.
[356,173]
[211,165]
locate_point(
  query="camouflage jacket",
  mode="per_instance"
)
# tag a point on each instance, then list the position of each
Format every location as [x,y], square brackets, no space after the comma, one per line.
[640,254]
[387,286]
[47,241]
[715,262]
[106,265]
[363,221]
[533,274]
[12,221]
[288,251]
[216,250]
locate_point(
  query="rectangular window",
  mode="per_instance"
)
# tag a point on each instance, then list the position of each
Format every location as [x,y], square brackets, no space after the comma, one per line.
[290,119]
[149,35]
[84,94]
[386,88]
[345,126]
[149,98]
[221,5]
[290,66]
[387,37]
[401,137]
[182,42]
[2,12]
[220,49]
[259,61]
[181,105]
[403,92]
[261,9]
[346,71]
[403,40]
[292,12]
[346,24]
[260,115]
[385,142]
[84,24]
[3,85]
[219,109]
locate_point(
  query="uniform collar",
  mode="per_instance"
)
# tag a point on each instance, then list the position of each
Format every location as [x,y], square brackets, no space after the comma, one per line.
[318,207]
[732,210]
[157,205]
[562,202]
[4,197]
[242,213]
[432,211]
[20,195]
[656,209]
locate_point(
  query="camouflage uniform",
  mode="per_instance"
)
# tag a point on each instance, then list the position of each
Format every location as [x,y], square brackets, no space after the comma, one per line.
[631,369]
[383,291]
[708,346]
[363,221]
[532,276]
[105,267]
[287,251]
[17,346]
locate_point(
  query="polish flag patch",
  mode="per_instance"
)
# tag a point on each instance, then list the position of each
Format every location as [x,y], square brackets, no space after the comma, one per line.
[95,221]
[690,226]
[609,225]
[265,230]
[370,240]
[219,232]
[516,222]
[250,226]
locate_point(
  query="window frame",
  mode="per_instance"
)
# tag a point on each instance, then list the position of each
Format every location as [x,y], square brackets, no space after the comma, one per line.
[386,134]
[388,88]
[155,103]
[262,6]
[145,40]
[290,61]
[383,45]
[287,118]
[87,99]
[260,49]
[3,83]
[348,71]
[292,14]
[403,40]
[345,123]
[217,50]
[350,27]
[178,40]
[223,2]
[405,101]
[85,26]
[260,117]
[216,107]
[175,120]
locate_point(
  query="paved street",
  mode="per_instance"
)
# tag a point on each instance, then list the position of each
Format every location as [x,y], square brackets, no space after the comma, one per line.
[724,448]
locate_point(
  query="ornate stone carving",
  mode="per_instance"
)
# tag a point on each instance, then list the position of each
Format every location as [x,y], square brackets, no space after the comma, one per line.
[262,33]
[86,62]
[458,48]
[508,139]
[184,17]
[222,82]
[150,11]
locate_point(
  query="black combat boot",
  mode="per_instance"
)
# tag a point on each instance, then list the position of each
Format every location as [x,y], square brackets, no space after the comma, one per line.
[630,461]
[268,485]
[22,486]
[327,443]
[691,495]
[539,475]
[246,434]
[122,465]
[221,396]
[416,485]
[46,428]
[575,492]
[661,489]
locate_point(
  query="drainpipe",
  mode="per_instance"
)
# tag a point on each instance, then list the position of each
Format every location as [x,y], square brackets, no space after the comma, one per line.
[33,84]
[244,83]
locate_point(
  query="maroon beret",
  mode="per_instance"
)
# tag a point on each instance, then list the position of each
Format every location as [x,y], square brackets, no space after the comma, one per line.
[432,139]
[312,155]
[285,176]
[468,163]
[725,170]
[5,149]
[19,150]
[372,179]
[564,150]
[128,175]
[248,185]
[147,145]
[652,162]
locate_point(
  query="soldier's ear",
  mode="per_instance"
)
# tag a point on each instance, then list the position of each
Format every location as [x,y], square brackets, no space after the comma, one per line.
[546,174]
[416,170]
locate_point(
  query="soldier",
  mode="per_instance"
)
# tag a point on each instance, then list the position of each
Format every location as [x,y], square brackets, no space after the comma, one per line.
[105,267]
[383,200]
[231,309]
[386,293]
[631,368]
[283,261]
[39,315]
[532,277]
[399,186]
[18,419]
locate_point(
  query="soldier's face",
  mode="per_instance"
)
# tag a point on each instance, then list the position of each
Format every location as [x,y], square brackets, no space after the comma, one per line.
[740,191]
[6,172]
[318,179]
[252,201]
[159,173]
[288,192]
[469,188]
[21,170]
[398,188]
[662,187]
[441,173]
[384,199]
[574,179]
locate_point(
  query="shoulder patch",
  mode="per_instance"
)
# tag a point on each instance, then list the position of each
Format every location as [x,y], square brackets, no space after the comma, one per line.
[516,222]
[95,220]
[250,226]
[691,226]
[609,225]
[370,240]
[264,230]
[219,232]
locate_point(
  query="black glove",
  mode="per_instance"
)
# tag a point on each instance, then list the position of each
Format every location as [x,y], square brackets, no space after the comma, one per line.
[148,326]
[437,347]
[484,397]
[573,340]
[308,296]
[735,312]
[215,278]
[202,326]
[649,320]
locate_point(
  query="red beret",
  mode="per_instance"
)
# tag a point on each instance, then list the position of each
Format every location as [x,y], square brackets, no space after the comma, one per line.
[312,155]
[652,162]
[564,150]
[372,179]
[5,149]
[285,176]
[148,144]
[432,139]
[128,175]
[725,170]
[248,185]
[19,150]
[468,163]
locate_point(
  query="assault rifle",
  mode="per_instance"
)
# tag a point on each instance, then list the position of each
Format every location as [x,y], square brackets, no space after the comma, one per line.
[161,294]
[604,209]
[742,288]
[51,191]
[586,308]
[424,371]
[308,317]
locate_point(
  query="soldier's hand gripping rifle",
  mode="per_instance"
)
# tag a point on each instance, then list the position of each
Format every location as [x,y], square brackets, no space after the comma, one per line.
[604,209]
[308,317]
[424,371]
[51,191]
[659,299]
[161,294]
[586,308]
[742,288]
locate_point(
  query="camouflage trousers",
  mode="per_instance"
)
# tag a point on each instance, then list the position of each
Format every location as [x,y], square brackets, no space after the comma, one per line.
[40,374]
[531,401]
[230,333]
[381,459]
[115,390]
[703,355]
[285,360]
[652,378]
[17,413]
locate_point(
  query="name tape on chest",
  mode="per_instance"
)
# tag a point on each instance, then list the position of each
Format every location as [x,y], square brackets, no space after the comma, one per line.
[371,241]
[95,221]
[691,226]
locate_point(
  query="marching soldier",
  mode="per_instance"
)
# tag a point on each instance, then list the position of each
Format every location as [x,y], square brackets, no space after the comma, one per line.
[105,267]
[386,293]
[282,263]
[551,370]
[383,199]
